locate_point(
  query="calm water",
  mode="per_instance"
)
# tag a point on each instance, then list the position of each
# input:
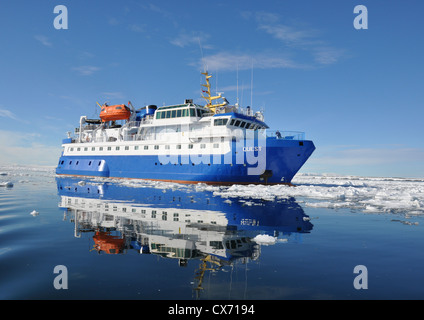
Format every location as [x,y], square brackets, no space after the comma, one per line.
[157,241]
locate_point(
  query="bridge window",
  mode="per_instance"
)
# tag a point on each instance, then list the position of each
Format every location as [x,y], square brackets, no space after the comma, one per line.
[220,122]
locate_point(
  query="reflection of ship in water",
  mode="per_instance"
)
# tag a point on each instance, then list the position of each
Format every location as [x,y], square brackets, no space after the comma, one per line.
[177,224]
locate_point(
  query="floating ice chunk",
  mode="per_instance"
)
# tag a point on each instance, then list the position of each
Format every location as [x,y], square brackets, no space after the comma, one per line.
[6,184]
[34,213]
[264,239]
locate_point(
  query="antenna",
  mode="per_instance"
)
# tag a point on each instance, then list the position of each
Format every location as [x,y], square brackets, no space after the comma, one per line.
[201,53]
[237,83]
[251,88]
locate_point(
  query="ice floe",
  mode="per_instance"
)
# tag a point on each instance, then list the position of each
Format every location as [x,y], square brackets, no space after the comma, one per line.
[367,194]
[373,195]
[6,184]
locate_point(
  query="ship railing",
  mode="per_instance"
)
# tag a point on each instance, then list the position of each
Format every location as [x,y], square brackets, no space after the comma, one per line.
[285,135]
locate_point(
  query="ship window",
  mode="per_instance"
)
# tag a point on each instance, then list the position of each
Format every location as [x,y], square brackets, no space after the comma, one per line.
[192,112]
[174,113]
[190,146]
[168,114]
[232,122]
[135,147]
[109,148]
[216,145]
[118,108]
[117,148]
[78,149]
[242,124]
[70,162]
[100,148]
[220,122]
[203,146]
[93,148]
[167,147]
[178,146]
[199,113]
[127,148]
[185,112]
[178,113]
[237,123]
[85,149]
[89,163]
[72,149]
[247,125]
[156,147]
[146,147]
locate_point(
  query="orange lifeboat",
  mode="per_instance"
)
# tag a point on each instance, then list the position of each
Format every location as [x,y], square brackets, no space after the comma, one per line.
[103,241]
[115,112]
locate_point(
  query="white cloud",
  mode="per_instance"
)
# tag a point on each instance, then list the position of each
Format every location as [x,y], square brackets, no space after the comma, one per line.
[26,149]
[185,39]
[7,114]
[286,33]
[43,40]
[113,21]
[370,156]
[327,55]
[297,38]
[86,70]
[231,62]
[136,28]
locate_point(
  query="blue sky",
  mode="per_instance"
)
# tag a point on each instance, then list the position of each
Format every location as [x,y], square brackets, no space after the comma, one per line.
[358,94]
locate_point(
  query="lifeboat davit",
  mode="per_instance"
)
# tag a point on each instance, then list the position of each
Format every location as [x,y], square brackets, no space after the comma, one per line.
[115,112]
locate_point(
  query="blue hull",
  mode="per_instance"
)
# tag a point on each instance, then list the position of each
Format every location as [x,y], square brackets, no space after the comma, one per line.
[284,158]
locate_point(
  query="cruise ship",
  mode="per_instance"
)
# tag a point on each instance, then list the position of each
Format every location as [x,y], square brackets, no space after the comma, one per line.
[216,143]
